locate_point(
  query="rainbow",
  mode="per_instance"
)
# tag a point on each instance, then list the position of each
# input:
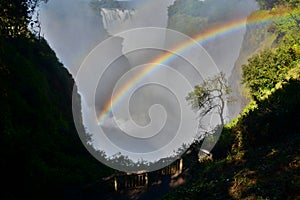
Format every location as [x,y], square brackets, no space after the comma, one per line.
[216,31]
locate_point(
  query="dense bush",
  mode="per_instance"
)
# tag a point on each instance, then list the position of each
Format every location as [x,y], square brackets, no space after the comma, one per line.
[41,153]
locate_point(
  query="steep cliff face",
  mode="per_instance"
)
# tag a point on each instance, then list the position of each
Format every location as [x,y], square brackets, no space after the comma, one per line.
[265,138]
[39,147]
[224,48]
[257,38]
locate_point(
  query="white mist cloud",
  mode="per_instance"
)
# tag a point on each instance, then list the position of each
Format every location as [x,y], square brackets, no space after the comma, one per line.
[73,29]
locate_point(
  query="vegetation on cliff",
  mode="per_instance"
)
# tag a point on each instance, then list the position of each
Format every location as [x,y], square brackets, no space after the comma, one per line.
[41,153]
[258,155]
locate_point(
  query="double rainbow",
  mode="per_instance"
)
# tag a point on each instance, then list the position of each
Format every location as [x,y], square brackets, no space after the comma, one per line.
[216,31]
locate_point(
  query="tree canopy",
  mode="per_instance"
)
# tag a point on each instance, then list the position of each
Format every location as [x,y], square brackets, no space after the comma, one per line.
[16,16]
[41,153]
[213,93]
[270,67]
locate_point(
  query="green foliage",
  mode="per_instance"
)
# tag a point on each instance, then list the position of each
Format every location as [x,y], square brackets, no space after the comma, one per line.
[193,16]
[268,4]
[287,28]
[187,16]
[273,75]
[210,96]
[187,24]
[249,108]
[40,151]
[208,90]
[15,17]
[270,67]
[264,140]
[216,9]
[186,7]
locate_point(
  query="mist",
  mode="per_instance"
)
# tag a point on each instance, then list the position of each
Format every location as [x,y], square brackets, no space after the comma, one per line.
[73,28]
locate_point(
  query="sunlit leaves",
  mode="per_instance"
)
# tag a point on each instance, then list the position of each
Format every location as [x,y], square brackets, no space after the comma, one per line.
[212,94]
[268,68]
[15,17]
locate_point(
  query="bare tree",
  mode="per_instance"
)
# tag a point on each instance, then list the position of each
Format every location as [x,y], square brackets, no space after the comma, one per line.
[210,97]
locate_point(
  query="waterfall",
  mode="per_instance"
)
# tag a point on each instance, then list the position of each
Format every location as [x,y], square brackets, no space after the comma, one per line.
[114,18]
